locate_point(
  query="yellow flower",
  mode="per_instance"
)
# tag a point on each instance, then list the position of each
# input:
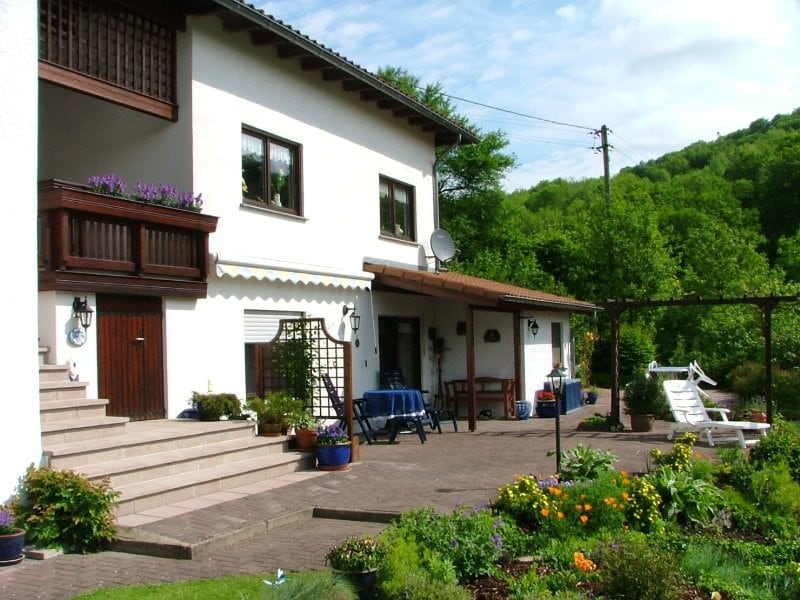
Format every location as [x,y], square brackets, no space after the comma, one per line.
[578,507]
[587,507]
[560,515]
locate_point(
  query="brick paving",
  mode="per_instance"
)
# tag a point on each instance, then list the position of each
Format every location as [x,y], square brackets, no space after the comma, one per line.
[452,469]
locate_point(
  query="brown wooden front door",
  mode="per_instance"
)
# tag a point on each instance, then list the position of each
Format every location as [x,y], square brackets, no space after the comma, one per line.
[130,350]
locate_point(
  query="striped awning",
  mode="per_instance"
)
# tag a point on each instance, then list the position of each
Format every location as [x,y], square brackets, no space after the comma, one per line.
[286,274]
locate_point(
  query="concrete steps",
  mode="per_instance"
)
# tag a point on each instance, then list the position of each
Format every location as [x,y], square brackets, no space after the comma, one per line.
[153,463]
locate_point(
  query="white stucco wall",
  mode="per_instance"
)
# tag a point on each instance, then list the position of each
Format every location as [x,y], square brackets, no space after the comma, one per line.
[20,434]
[346,145]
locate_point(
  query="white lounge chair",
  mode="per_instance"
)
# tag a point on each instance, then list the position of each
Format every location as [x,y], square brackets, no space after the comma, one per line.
[691,415]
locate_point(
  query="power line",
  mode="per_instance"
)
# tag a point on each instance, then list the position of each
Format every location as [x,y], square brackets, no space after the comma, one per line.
[497,108]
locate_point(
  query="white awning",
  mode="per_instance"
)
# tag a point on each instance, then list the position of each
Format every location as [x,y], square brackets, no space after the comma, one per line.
[291,274]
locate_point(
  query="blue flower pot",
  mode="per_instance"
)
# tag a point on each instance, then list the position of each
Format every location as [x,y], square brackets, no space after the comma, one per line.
[11,546]
[546,410]
[523,409]
[333,458]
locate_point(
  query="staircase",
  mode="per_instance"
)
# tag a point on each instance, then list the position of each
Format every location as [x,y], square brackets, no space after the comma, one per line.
[153,463]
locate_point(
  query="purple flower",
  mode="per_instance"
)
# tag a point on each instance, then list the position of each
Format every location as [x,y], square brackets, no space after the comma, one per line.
[498,541]
[6,522]
[110,184]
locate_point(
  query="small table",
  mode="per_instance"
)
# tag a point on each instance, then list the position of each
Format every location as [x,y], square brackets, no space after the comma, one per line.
[398,406]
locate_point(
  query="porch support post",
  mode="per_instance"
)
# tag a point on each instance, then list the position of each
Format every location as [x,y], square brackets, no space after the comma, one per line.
[472,408]
[517,358]
[355,453]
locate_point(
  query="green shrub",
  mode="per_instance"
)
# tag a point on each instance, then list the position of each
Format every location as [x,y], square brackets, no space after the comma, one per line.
[311,584]
[62,509]
[633,567]
[472,539]
[210,407]
[411,571]
[687,501]
[584,462]
[782,444]
[784,393]
[748,380]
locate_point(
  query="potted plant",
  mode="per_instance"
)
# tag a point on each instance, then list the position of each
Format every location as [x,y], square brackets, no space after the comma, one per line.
[644,400]
[592,395]
[358,559]
[545,404]
[305,428]
[273,413]
[12,539]
[332,447]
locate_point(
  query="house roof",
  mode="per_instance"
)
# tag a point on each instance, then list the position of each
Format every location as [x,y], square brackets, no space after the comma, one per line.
[472,290]
[289,44]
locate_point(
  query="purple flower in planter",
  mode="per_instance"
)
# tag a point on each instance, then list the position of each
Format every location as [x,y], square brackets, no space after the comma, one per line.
[146,192]
[6,522]
[110,184]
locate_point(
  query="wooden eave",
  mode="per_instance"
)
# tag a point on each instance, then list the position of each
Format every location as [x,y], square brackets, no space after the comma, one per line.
[474,291]
[264,30]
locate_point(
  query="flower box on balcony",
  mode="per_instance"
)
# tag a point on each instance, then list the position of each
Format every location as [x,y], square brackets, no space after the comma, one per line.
[120,245]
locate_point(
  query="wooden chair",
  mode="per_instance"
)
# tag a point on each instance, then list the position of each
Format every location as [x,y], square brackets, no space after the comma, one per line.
[358,411]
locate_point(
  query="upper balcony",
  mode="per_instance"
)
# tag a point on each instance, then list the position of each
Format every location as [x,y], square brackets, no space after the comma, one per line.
[93,242]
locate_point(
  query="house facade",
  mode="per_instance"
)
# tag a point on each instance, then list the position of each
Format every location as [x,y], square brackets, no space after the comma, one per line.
[318,200]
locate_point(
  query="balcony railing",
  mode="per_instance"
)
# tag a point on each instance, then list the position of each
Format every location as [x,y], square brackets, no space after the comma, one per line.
[94,242]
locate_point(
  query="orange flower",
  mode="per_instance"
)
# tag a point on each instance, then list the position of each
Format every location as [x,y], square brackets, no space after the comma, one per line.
[582,563]
[579,507]
[587,507]
[625,495]
[545,512]
[584,518]
[560,515]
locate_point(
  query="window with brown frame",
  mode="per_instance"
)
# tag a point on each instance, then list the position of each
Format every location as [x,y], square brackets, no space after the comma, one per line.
[270,172]
[397,209]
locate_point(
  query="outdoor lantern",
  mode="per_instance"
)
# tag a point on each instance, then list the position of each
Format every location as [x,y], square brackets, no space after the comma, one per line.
[355,320]
[533,326]
[82,311]
[556,377]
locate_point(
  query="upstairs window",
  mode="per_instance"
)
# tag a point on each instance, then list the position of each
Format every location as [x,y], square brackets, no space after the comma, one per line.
[270,172]
[397,209]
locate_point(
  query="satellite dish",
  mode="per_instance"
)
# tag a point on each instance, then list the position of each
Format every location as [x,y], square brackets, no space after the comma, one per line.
[442,245]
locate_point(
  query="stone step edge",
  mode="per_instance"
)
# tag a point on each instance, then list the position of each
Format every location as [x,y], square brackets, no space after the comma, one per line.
[136,541]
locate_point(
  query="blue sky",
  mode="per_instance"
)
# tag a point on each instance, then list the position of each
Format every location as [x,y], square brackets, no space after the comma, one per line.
[660,74]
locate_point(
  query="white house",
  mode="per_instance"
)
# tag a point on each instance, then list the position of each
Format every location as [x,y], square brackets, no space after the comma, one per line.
[318,200]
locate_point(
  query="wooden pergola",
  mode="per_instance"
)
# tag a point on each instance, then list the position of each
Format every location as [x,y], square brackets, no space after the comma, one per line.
[766,304]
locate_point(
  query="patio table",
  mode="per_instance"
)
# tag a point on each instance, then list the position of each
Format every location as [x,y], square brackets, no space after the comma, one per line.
[398,406]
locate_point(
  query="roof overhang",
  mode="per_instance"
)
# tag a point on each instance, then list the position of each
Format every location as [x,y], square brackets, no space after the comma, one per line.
[290,44]
[473,291]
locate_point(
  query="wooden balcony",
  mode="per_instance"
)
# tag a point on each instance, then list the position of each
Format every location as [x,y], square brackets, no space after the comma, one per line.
[93,242]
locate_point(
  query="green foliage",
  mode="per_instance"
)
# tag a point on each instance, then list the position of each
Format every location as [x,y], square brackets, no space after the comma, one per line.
[472,539]
[306,585]
[356,555]
[685,500]
[294,361]
[210,407]
[278,408]
[413,571]
[584,462]
[747,380]
[635,568]
[681,457]
[781,445]
[644,395]
[62,509]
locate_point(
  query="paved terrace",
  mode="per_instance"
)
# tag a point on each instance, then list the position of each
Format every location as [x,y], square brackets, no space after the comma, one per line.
[272,524]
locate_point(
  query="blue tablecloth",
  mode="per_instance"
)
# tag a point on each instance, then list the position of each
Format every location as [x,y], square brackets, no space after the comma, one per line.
[572,399]
[394,403]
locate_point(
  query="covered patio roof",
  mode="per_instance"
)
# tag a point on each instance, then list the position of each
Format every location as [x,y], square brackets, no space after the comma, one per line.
[477,292]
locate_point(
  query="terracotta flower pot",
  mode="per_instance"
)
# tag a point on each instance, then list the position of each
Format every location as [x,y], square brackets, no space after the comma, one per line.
[642,423]
[305,439]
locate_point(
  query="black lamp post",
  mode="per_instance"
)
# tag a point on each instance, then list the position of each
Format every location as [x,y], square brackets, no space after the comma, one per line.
[556,377]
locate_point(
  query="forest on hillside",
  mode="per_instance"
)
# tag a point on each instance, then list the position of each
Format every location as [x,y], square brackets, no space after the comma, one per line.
[715,219]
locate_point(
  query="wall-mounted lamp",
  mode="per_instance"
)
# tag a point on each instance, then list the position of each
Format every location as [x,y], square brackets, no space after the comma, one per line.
[82,311]
[355,320]
[533,326]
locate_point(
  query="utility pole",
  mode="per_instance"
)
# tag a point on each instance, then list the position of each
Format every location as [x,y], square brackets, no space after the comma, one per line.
[606,174]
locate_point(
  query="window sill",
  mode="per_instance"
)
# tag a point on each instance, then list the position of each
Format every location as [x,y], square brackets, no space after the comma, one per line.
[263,207]
[393,238]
